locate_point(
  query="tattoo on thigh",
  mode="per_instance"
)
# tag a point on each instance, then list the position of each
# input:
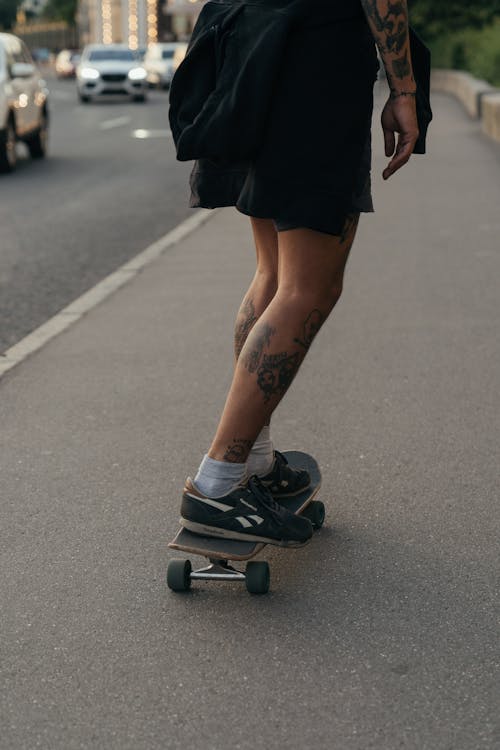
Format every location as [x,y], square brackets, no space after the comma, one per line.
[262,339]
[349,226]
[311,326]
[276,373]
[237,452]
[244,323]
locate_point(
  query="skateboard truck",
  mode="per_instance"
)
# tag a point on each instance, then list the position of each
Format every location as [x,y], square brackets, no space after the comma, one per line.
[218,570]
[256,575]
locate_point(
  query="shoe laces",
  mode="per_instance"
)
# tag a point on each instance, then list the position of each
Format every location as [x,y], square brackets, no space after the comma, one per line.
[264,497]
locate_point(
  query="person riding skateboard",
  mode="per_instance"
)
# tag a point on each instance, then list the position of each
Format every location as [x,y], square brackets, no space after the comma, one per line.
[304,193]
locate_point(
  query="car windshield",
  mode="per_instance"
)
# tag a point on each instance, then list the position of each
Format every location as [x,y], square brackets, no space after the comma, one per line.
[127,55]
[167,54]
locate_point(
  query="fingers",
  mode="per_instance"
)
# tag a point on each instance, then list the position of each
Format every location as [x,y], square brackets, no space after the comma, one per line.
[389,141]
[399,117]
[404,150]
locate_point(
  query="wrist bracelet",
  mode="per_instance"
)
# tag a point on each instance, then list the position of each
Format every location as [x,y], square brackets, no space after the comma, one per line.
[397,94]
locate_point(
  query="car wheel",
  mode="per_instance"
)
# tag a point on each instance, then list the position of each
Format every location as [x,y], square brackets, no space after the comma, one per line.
[37,143]
[139,98]
[8,156]
[83,98]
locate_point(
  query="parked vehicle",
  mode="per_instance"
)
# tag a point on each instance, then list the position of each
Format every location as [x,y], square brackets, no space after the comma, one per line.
[110,69]
[159,63]
[24,114]
[66,63]
[179,54]
[41,55]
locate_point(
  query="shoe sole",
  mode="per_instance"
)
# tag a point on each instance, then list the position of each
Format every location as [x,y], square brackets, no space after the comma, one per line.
[217,533]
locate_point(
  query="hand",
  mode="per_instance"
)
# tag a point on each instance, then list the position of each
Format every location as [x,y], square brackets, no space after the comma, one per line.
[399,116]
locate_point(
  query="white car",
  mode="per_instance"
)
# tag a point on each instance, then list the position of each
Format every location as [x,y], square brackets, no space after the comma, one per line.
[24,112]
[159,63]
[110,69]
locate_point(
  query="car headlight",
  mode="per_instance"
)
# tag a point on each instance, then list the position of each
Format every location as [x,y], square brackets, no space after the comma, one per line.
[90,74]
[137,74]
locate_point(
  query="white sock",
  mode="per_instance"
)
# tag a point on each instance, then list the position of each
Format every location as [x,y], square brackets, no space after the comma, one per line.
[261,458]
[219,478]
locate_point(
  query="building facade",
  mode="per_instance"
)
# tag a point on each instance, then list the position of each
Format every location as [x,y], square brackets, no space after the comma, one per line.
[136,22]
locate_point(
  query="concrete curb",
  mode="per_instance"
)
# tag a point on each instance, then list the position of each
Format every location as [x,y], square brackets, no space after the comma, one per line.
[480,99]
[491,115]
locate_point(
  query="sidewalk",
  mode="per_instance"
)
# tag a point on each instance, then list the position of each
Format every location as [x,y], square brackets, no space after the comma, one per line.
[381,633]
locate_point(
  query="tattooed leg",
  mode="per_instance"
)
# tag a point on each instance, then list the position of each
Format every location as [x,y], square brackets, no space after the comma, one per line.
[311,273]
[237,451]
[264,284]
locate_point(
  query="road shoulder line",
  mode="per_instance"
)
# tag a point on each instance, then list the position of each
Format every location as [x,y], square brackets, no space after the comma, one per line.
[96,294]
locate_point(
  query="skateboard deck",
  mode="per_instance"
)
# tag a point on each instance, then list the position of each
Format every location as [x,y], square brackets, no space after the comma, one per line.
[220,551]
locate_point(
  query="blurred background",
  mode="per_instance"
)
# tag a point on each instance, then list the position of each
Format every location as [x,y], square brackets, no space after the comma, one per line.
[462,34]
[89,174]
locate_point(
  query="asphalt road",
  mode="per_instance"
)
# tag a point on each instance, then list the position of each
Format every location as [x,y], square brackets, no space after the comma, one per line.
[382,634]
[101,196]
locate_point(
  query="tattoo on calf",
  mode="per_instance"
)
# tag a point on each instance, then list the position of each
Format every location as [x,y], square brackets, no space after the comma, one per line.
[244,324]
[237,452]
[262,339]
[312,324]
[276,373]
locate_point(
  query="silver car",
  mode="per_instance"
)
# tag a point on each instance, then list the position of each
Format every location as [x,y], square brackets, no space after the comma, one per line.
[24,114]
[110,69]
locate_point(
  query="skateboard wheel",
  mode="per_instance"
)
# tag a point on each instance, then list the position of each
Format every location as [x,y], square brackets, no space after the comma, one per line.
[315,512]
[179,575]
[257,577]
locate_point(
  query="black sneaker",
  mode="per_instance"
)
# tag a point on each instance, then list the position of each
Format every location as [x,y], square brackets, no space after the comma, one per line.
[248,513]
[283,481]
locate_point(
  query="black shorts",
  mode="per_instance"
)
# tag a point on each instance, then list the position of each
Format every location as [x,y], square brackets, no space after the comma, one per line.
[313,167]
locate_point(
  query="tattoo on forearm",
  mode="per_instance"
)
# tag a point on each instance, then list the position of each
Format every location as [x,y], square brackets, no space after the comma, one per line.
[312,324]
[401,67]
[276,373]
[237,452]
[251,360]
[391,23]
[244,324]
[391,26]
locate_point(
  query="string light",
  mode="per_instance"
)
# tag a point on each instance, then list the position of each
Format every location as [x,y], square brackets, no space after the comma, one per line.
[152,21]
[107,22]
[133,40]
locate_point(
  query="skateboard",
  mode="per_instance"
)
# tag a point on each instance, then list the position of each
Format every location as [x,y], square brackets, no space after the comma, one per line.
[221,552]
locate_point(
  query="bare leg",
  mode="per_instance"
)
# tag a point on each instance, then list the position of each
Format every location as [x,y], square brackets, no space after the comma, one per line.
[264,284]
[310,276]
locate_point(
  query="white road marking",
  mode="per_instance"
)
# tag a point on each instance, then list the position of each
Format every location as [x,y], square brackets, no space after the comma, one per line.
[103,289]
[116,122]
[142,134]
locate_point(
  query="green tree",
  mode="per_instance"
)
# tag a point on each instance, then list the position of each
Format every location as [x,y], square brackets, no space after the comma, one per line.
[61,10]
[8,11]
[434,18]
